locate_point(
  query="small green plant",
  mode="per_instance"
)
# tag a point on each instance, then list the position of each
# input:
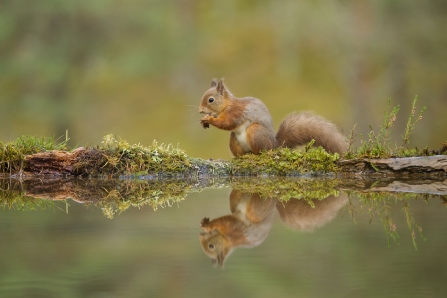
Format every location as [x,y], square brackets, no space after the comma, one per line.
[378,145]
[409,128]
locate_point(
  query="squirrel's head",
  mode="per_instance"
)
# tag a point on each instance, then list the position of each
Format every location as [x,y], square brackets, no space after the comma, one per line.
[215,246]
[215,99]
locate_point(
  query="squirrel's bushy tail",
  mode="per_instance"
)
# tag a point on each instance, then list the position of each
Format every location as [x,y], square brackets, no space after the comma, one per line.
[298,129]
[300,215]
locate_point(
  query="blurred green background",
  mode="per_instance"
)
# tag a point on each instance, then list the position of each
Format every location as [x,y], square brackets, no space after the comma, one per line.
[138,69]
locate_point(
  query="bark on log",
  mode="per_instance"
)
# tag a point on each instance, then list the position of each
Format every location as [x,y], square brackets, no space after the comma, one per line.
[62,163]
[405,166]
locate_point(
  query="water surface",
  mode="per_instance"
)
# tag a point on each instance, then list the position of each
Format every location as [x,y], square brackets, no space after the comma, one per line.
[347,245]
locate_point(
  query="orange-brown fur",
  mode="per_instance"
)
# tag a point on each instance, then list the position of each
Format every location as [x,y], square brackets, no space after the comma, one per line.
[259,138]
[300,128]
[229,117]
[251,125]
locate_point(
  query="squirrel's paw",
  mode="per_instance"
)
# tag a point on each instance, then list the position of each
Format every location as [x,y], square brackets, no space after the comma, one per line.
[205,122]
[205,221]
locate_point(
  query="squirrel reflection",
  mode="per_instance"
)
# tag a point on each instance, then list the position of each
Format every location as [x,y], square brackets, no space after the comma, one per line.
[251,219]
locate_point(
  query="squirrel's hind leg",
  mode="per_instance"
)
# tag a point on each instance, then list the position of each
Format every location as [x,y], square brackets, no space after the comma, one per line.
[235,146]
[260,138]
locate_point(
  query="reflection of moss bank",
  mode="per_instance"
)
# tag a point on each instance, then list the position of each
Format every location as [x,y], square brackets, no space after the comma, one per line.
[286,188]
[114,196]
[111,195]
[13,196]
[117,195]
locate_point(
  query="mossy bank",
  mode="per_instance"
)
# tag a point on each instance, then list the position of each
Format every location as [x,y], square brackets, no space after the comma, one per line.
[31,156]
[117,158]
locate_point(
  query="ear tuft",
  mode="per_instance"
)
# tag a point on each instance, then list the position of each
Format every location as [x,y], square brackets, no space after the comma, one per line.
[220,259]
[214,83]
[221,87]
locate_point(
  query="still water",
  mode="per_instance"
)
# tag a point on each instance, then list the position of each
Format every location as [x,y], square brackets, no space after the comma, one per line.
[345,245]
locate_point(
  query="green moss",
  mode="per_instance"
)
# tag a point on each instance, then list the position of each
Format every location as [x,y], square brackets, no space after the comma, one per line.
[285,162]
[119,157]
[114,157]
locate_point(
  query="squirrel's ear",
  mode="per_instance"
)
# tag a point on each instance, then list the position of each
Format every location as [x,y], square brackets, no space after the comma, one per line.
[220,259]
[221,87]
[213,83]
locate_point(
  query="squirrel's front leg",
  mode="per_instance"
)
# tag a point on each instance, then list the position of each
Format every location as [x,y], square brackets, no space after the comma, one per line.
[205,121]
[222,122]
[207,225]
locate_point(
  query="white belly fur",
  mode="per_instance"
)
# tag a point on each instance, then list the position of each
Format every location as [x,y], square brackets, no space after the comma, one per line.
[241,136]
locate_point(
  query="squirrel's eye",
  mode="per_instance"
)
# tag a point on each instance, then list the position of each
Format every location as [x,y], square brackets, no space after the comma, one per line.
[211,246]
[211,99]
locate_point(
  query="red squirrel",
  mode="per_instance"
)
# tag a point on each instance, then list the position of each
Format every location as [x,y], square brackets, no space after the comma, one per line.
[251,125]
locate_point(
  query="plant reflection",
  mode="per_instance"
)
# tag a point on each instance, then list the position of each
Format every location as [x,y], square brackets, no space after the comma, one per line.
[378,204]
[251,219]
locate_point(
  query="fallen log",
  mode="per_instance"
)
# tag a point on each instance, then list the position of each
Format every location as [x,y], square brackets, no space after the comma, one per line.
[57,162]
[165,161]
[83,161]
[94,162]
[30,156]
